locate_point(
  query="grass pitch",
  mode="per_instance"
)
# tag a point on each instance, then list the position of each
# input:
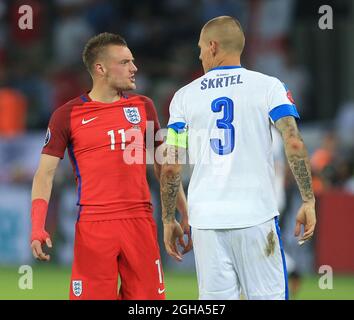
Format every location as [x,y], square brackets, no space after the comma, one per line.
[51,282]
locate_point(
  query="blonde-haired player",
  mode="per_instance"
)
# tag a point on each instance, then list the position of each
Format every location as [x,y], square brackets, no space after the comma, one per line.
[223,119]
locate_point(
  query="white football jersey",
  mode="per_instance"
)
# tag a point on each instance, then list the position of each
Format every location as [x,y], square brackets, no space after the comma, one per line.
[228,113]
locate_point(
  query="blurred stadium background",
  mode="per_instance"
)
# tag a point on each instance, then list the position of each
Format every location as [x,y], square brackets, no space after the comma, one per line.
[40,69]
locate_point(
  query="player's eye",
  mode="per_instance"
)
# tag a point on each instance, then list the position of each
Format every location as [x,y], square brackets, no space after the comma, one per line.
[125,61]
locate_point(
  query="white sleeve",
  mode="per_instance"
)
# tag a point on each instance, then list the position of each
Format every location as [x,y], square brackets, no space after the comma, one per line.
[177,119]
[280,102]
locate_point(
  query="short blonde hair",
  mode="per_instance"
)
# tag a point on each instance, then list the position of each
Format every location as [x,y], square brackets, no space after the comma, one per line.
[227,31]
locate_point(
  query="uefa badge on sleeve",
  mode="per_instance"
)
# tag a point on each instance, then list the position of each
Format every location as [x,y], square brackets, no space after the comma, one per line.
[77,287]
[290,96]
[132,115]
[47,137]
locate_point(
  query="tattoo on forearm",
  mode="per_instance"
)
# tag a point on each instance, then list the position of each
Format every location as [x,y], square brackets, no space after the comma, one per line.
[173,154]
[302,175]
[297,155]
[169,188]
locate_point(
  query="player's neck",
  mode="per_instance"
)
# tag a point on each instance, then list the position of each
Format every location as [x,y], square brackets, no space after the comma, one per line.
[228,61]
[104,94]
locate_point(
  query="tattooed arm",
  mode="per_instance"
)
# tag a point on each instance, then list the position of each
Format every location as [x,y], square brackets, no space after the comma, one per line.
[170,184]
[181,196]
[297,156]
[170,187]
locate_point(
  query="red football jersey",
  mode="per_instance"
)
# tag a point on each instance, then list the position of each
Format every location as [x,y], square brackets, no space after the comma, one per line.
[107,148]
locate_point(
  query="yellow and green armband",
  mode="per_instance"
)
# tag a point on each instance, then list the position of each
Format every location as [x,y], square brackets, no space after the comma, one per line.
[177,138]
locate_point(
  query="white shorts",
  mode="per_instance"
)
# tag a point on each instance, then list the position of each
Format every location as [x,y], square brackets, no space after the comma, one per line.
[248,259]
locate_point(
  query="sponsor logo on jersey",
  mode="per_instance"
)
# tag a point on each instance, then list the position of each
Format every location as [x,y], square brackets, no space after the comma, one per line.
[77,287]
[47,137]
[132,115]
[87,121]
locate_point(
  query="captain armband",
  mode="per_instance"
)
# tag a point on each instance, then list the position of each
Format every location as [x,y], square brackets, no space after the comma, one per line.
[177,135]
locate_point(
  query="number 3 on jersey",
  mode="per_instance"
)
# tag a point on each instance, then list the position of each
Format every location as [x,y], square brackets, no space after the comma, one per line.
[224,123]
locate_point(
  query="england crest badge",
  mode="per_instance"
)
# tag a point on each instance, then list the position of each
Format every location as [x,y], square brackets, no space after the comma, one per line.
[132,114]
[77,287]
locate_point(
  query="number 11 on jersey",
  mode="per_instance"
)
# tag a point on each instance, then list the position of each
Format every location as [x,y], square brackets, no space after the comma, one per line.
[113,139]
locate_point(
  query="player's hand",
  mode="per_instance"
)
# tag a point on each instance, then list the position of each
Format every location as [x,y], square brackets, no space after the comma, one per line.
[36,244]
[172,232]
[306,216]
[187,231]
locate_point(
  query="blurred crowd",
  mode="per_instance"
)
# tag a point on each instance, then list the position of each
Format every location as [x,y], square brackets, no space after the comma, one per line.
[43,66]
[41,69]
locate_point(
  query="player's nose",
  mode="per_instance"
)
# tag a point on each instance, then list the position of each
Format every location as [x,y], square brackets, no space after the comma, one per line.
[133,68]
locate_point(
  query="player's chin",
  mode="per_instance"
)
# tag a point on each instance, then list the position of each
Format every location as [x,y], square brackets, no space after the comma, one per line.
[131,86]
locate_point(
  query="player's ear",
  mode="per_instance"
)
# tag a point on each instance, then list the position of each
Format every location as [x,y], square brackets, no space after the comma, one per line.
[99,68]
[213,47]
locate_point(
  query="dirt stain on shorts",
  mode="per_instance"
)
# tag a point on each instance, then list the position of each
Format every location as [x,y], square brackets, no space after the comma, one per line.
[269,250]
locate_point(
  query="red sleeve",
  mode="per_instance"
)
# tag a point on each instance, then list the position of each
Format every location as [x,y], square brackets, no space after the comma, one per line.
[58,133]
[151,115]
